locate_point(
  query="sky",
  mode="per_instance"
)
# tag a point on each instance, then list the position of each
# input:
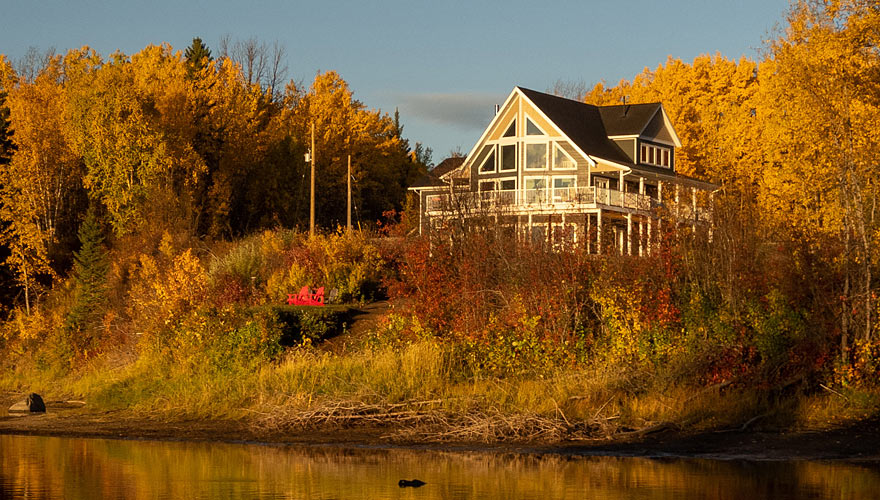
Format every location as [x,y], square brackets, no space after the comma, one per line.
[442,64]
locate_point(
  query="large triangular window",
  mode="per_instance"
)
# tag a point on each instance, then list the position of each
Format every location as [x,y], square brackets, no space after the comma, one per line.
[511,130]
[532,129]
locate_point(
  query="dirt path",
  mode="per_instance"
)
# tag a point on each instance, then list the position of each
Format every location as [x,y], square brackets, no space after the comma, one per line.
[364,321]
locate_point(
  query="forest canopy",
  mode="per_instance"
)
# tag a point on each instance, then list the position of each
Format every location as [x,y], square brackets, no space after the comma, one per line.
[180,140]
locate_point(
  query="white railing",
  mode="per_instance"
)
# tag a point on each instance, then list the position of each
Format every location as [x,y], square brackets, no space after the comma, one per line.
[559,198]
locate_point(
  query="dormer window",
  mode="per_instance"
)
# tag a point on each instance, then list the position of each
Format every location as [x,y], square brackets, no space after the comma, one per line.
[655,155]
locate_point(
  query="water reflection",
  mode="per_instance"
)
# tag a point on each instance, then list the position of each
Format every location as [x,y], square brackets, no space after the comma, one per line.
[66,468]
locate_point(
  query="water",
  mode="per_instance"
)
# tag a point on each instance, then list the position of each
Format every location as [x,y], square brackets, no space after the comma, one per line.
[70,468]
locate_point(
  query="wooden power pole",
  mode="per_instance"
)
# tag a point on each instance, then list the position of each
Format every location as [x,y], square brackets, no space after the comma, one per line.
[312,191]
[348,226]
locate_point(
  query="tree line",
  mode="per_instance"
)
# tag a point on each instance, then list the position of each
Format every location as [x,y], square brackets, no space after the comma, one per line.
[792,139]
[211,146]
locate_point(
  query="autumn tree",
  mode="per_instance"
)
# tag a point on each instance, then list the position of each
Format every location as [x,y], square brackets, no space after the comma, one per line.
[821,93]
[40,188]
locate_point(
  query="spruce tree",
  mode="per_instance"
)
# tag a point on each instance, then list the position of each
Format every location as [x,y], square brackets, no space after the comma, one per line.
[198,57]
[90,267]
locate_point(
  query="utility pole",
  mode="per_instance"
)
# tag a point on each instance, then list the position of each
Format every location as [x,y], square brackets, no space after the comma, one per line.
[349,194]
[312,191]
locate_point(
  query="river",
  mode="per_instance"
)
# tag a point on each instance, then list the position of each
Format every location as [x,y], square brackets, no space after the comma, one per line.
[74,468]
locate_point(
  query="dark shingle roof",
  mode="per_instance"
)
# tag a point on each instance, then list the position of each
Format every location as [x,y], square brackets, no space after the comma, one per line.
[432,178]
[628,119]
[589,126]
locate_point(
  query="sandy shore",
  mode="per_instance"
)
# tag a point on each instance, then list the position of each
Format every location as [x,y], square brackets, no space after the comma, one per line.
[859,442]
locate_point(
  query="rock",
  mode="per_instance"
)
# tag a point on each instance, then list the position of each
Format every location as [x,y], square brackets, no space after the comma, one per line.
[415,483]
[33,404]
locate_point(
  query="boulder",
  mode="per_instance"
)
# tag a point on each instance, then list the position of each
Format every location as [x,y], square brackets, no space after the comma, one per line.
[33,404]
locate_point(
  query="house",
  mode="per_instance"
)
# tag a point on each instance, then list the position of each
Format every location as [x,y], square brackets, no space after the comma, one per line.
[562,171]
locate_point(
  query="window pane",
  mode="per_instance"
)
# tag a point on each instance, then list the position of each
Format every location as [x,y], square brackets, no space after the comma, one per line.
[508,184]
[563,182]
[644,153]
[535,183]
[532,129]
[665,157]
[487,186]
[489,164]
[536,156]
[508,157]
[563,160]
[511,130]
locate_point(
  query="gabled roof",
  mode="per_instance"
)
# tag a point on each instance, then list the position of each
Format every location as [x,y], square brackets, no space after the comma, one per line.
[628,119]
[582,123]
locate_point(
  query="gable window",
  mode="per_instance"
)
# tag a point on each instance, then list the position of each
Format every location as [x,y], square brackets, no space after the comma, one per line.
[511,130]
[536,156]
[508,157]
[561,160]
[655,155]
[532,129]
[488,165]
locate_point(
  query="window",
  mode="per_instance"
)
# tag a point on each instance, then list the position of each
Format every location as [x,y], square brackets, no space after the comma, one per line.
[532,129]
[488,165]
[655,155]
[536,156]
[508,184]
[563,189]
[508,157]
[534,192]
[511,130]
[562,161]
[487,186]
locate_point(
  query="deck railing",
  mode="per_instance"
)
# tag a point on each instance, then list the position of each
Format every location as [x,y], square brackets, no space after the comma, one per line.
[550,198]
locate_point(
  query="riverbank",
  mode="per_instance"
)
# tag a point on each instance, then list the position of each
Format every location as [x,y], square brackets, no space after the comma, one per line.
[854,442]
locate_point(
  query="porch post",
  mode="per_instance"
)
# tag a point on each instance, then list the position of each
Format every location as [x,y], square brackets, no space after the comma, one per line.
[649,235]
[587,231]
[599,231]
[676,203]
[621,189]
[529,230]
[639,235]
[629,233]
[694,204]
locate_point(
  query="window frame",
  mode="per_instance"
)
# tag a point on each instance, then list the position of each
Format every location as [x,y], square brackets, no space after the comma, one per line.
[492,154]
[655,156]
[557,146]
[539,141]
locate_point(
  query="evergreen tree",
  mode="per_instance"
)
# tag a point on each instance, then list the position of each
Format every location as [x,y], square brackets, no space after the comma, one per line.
[90,269]
[198,57]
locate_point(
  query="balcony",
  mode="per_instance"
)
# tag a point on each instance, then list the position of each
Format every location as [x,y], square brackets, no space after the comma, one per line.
[537,200]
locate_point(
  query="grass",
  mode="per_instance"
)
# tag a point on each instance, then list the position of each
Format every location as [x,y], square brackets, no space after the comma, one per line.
[375,385]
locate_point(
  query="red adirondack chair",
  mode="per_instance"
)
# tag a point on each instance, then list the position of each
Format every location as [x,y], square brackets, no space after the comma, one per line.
[306,298]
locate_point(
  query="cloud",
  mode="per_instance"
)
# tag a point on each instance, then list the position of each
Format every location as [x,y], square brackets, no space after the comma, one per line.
[465,110]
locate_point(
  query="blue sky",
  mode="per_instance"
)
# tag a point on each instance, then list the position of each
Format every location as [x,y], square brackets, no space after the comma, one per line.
[443,64]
